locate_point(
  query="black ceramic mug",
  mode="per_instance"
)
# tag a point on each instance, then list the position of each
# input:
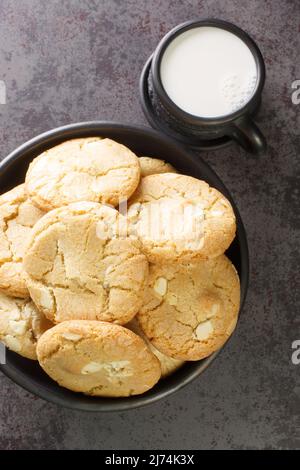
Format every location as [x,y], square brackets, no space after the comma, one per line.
[203,132]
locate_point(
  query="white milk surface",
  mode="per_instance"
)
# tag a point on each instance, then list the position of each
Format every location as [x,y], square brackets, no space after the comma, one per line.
[208,72]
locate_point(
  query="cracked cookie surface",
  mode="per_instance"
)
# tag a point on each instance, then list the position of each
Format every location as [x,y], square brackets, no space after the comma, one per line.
[81,265]
[180,218]
[17,217]
[191,310]
[88,169]
[98,358]
[168,364]
[21,324]
[154,166]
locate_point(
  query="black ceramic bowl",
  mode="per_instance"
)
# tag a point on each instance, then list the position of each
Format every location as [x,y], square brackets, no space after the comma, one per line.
[142,141]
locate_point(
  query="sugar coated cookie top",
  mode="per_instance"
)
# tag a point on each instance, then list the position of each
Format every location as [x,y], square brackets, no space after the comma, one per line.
[191,310]
[87,169]
[21,324]
[179,218]
[18,215]
[81,265]
[98,358]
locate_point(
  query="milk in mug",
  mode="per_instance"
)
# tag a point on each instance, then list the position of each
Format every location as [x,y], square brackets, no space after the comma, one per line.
[208,72]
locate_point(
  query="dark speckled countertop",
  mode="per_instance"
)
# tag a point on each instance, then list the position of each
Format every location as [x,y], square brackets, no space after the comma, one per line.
[64,61]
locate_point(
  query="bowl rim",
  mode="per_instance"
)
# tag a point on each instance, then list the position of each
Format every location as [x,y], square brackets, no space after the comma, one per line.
[42,391]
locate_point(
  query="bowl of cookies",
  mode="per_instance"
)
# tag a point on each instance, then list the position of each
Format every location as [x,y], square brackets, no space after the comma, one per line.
[123,269]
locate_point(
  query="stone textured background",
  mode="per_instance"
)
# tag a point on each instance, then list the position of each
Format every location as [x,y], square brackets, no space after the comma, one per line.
[67,61]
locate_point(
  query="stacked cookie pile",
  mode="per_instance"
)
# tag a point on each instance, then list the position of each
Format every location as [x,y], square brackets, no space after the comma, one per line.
[112,268]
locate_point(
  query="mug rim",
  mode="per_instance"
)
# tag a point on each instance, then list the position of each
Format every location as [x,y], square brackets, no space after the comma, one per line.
[178,112]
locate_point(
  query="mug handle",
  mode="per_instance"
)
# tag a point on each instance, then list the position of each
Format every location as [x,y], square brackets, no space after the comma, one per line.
[248,135]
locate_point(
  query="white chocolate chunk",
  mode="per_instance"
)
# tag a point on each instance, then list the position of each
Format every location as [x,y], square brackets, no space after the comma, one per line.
[91,368]
[113,369]
[160,286]
[109,270]
[46,300]
[18,327]
[71,336]
[102,230]
[203,330]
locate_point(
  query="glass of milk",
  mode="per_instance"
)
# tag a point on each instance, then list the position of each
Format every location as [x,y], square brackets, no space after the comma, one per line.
[207,77]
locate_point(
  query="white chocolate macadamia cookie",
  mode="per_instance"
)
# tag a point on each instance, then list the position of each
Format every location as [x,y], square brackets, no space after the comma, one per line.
[21,325]
[17,217]
[154,166]
[98,358]
[190,311]
[81,265]
[87,169]
[180,218]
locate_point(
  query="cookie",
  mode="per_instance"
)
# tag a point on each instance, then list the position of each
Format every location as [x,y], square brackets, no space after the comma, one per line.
[179,218]
[191,310]
[17,217]
[168,364]
[81,265]
[154,166]
[98,358]
[21,324]
[87,169]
